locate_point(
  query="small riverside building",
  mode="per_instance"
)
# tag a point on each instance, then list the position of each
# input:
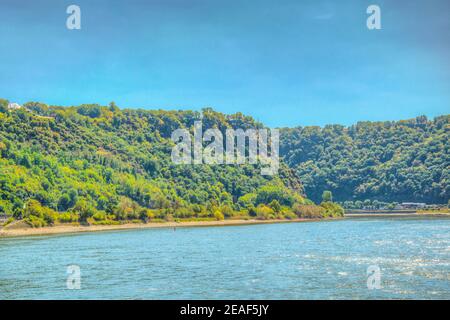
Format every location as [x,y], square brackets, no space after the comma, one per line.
[413,205]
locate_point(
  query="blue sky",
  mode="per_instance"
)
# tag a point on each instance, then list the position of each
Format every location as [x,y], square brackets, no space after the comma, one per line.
[287,63]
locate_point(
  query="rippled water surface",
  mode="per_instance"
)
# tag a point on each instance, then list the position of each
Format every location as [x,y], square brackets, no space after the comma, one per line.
[314,260]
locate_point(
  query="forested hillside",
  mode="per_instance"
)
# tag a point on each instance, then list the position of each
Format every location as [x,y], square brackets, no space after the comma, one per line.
[104,165]
[388,161]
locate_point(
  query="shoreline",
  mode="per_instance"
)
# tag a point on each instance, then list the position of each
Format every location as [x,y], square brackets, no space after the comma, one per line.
[76,229]
[396,214]
[71,229]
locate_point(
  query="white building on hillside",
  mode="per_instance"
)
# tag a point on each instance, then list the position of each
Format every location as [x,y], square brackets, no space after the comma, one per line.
[14,106]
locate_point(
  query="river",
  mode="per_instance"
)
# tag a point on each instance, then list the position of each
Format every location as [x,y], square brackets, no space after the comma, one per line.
[309,260]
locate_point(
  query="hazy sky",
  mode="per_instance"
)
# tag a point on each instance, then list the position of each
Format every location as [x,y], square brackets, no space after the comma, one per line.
[287,63]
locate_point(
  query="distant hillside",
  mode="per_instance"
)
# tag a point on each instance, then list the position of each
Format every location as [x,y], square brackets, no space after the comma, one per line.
[388,161]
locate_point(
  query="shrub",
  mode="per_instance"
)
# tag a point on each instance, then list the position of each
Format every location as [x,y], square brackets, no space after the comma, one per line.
[84,209]
[267,193]
[67,217]
[35,221]
[106,222]
[252,211]
[218,215]
[275,205]
[183,212]
[8,221]
[145,215]
[35,213]
[290,215]
[126,209]
[264,212]
[99,216]
[247,200]
[227,211]
[332,209]
[308,211]
[5,206]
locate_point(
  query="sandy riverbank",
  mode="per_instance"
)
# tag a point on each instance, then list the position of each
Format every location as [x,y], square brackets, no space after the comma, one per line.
[62,228]
[66,228]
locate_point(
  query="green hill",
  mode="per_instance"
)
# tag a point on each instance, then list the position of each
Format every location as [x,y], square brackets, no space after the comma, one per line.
[102,165]
[387,161]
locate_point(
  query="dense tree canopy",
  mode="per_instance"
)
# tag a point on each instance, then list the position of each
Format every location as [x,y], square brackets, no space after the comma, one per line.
[100,164]
[103,165]
[386,161]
